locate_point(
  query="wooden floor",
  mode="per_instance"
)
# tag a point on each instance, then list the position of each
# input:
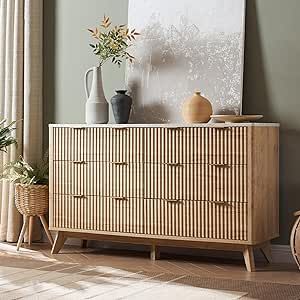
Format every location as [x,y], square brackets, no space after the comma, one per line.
[74,260]
[169,263]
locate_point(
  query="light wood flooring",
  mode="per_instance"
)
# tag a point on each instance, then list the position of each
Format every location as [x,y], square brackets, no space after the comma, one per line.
[139,260]
[169,263]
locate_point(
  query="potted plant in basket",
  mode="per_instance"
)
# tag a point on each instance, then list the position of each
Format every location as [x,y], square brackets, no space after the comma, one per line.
[111,44]
[31,192]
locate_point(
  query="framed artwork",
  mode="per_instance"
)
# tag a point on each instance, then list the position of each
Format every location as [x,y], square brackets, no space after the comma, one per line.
[185,45]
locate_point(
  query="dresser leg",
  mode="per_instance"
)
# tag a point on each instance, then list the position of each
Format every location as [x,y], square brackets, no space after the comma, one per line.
[154,255]
[59,242]
[84,244]
[249,259]
[266,251]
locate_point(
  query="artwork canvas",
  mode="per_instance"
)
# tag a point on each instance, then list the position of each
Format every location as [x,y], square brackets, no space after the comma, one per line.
[185,45]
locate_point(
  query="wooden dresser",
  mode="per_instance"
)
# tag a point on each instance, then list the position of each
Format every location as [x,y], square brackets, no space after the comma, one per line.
[207,186]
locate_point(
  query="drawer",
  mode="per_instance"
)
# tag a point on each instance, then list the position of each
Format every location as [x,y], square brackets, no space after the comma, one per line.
[196,145]
[114,179]
[216,182]
[122,214]
[74,212]
[98,213]
[97,144]
[197,219]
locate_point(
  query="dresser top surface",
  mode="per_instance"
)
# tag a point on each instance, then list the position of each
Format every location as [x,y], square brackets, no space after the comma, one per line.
[166,125]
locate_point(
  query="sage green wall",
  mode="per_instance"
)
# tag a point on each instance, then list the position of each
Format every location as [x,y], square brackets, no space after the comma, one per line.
[272,81]
[68,55]
[272,74]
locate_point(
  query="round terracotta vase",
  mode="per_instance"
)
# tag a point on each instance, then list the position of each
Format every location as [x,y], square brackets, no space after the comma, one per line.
[197,109]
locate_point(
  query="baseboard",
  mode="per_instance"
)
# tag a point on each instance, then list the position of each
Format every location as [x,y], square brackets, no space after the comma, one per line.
[280,253]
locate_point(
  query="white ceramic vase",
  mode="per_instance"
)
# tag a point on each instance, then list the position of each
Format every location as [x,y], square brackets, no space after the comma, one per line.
[96,108]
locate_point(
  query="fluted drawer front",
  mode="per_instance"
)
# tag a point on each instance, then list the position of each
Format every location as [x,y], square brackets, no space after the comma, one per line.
[124,180]
[215,182]
[98,144]
[196,145]
[116,179]
[197,219]
[98,213]
[122,214]
[75,212]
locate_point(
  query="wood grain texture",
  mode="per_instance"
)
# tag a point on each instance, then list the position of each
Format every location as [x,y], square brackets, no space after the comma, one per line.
[94,213]
[52,147]
[264,184]
[97,144]
[154,253]
[201,182]
[198,184]
[79,273]
[249,259]
[166,241]
[225,145]
[98,178]
[59,242]
[196,219]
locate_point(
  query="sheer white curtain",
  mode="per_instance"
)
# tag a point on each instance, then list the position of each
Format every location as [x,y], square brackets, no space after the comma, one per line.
[21,60]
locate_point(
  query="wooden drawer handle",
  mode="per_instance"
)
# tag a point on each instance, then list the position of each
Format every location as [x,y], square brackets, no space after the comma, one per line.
[220,165]
[78,162]
[120,128]
[79,196]
[121,198]
[173,201]
[175,128]
[173,164]
[120,163]
[219,202]
[222,128]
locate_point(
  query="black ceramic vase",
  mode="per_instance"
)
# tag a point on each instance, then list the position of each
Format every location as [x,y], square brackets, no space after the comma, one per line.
[121,106]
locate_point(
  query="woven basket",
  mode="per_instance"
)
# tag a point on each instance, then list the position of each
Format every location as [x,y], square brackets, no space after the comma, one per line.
[32,200]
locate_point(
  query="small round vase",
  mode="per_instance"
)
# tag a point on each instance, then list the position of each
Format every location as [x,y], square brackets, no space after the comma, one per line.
[197,109]
[121,106]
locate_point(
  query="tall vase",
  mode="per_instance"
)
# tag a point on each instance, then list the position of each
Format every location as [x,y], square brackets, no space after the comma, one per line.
[96,108]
